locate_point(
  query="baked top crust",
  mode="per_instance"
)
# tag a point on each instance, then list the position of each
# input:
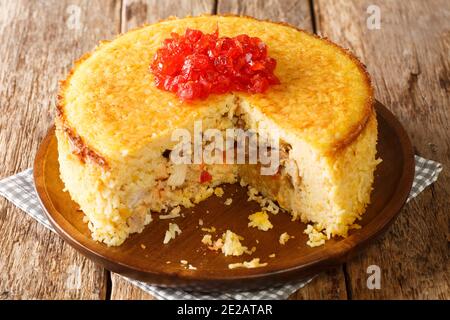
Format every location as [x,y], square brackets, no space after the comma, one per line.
[109,102]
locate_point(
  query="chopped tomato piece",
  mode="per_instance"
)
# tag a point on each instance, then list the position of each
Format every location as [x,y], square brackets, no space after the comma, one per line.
[205,176]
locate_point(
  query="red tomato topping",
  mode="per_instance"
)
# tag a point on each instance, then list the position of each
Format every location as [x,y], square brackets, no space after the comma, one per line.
[196,65]
[205,176]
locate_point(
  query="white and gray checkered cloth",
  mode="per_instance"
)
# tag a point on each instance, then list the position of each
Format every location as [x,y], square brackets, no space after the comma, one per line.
[19,189]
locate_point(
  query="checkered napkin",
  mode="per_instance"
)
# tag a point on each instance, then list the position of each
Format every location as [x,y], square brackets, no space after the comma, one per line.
[19,189]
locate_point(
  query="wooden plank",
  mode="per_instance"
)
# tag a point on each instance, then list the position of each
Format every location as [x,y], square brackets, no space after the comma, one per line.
[296,12]
[121,289]
[325,286]
[331,284]
[408,58]
[40,40]
[134,14]
[137,12]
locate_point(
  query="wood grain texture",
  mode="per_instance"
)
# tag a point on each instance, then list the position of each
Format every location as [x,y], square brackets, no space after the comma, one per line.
[325,286]
[408,58]
[138,12]
[40,40]
[331,284]
[134,14]
[123,290]
[296,12]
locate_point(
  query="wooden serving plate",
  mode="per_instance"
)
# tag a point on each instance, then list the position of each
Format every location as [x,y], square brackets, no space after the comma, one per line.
[144,257]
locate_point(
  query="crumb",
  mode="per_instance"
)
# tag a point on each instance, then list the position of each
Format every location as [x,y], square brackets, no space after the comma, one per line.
[143,246]
[171,233]
[207,240]
[272,255]
[355,226]
[284,237]
[315,235]
[232,244]
[174,213]
[253,249]
[229,243]
[168,262]
[260,220]
[254,263]
[200,222]
[228,201]
[183,262]
[216,245]
[212,229]
[191,267]
[218,192]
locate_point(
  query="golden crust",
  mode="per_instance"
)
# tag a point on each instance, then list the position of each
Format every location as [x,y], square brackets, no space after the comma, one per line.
[276,103]
[79,147]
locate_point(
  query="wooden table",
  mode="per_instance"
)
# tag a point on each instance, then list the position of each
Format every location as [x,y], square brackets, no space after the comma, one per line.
[408,58]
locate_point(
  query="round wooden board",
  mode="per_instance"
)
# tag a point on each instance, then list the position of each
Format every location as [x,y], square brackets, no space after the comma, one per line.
[144,256]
